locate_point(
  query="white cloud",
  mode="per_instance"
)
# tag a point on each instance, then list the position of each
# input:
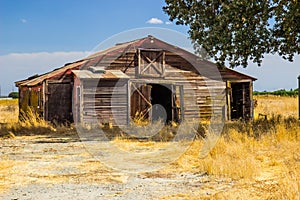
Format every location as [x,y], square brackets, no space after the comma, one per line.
[23,20]
[168,22]
[18,66]
[154,20]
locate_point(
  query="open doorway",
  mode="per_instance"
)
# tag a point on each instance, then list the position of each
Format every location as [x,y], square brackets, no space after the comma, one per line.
[240,100]
[161,100]
[156,101]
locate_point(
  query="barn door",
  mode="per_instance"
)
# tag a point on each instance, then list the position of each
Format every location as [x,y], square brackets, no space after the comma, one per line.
[140,102]
[59,102]
[151,63]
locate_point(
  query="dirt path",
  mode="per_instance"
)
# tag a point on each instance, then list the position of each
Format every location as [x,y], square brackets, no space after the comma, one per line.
[41,167]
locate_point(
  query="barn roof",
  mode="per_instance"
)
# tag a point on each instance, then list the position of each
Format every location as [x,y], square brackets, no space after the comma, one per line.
[56,72]
[108,55]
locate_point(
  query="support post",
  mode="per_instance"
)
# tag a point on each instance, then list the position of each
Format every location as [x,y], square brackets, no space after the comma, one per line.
[299,97]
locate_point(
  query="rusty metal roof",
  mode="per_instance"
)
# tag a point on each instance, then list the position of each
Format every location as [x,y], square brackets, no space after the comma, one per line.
[229,74]
[41,78]
[109,74]
[119,49]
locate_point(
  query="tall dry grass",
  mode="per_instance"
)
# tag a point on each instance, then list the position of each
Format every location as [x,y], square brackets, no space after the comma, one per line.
[10,125]
[9,111]
[261,156]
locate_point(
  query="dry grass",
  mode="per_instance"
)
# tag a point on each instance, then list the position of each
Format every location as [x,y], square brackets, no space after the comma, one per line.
[262,158]
[30,125]
[9,111]
[273,105]
[259,160]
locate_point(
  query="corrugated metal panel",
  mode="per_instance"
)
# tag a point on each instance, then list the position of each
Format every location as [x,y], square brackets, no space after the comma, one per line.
[109,74]
[48,75]
[229,74]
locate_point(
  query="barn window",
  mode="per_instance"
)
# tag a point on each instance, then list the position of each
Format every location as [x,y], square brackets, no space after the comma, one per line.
[151,63]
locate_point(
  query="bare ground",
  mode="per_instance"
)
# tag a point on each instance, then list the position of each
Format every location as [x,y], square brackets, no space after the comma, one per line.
[42,167]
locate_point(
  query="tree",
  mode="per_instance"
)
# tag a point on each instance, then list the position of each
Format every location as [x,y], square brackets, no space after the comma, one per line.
[239,31]
[13,95]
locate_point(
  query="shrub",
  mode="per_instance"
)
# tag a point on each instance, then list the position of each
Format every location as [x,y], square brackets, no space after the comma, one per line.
[14,95]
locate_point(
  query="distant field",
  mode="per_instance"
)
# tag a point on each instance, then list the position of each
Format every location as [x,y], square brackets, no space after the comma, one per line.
[9,110]
[276,105]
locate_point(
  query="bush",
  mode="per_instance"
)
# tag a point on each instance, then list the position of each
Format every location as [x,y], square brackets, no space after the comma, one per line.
[282,92]
[14,95]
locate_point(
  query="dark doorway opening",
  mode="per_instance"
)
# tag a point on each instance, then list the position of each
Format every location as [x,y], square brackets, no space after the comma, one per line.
[240,101]
[161,100]
[151,102]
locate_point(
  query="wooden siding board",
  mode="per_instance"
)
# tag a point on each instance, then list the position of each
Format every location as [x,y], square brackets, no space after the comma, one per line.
[99,100]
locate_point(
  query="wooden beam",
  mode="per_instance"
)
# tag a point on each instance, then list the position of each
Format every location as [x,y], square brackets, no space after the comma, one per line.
[138,72]
[181,102]
[244,101]
[44,100]
[251,99]
[228,99]
[163,63]
[128,102]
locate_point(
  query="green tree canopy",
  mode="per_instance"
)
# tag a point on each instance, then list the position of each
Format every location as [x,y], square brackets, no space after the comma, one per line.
[239,31]
[14,95]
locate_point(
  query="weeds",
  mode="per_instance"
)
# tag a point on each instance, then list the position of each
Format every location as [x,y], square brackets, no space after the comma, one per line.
[29,124]
[257,151]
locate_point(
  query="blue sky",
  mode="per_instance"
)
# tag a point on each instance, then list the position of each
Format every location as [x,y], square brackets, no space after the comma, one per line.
[37,36]
[71,25]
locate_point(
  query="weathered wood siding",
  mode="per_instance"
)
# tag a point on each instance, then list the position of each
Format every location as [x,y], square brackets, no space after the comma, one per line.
[104,101]
[202,96]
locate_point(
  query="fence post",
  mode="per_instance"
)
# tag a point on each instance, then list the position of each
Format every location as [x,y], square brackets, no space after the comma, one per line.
[299,97]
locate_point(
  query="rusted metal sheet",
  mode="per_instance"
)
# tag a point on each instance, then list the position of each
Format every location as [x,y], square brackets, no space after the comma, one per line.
[108,74]
[50,75]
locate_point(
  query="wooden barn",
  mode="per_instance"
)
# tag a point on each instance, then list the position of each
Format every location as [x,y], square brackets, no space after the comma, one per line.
[146,78]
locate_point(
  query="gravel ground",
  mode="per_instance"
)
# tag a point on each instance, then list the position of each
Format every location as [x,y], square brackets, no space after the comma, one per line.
[41,167]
